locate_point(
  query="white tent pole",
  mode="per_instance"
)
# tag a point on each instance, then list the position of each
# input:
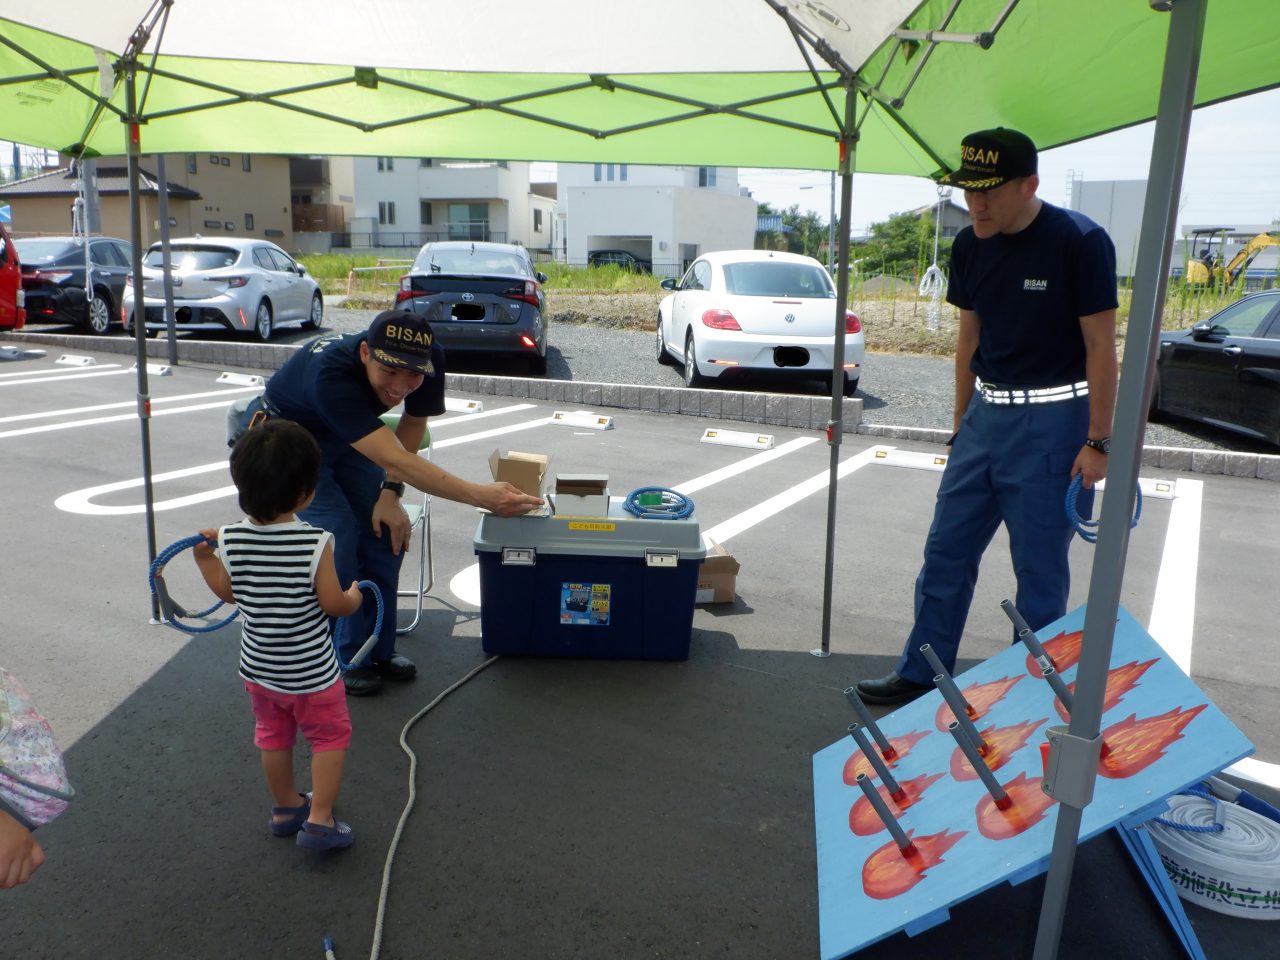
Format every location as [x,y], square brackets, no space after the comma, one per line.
[835,426]
[1074,757]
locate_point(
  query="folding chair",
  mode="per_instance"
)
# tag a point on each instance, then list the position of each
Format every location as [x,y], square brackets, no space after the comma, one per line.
[420,529]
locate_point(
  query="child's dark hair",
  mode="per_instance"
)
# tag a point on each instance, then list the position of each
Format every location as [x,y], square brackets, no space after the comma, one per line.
[274,466]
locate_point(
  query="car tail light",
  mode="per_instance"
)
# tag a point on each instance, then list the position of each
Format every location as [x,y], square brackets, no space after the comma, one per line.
[720,320]
[527,340]
[237,281]
[528,293]
[851,322]
[406,289]
[53,276]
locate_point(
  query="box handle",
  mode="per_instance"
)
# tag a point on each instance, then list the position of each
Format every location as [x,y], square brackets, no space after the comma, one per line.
[519,556]
[662,558]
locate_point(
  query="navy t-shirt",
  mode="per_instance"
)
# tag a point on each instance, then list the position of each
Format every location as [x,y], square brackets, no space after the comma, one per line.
[325,388]
[1030,290]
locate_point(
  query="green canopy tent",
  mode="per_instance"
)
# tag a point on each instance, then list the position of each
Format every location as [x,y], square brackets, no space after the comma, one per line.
[888,86]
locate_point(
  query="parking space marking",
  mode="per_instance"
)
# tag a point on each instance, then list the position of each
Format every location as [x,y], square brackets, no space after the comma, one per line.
[1173,608]
[56,376]
[749,463]
[95,421]
[81,501]
[129,404]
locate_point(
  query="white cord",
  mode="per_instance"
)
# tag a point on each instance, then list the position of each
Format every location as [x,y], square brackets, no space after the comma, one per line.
[1235,871]
[404,816]
[934,282]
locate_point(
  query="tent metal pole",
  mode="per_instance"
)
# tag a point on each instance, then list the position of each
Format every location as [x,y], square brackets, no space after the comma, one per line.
[133,149]
[835,426]
[1079,748]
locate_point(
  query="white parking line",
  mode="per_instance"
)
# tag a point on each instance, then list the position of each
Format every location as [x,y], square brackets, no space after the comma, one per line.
[55,376]
[40,373]
[130,404]
[94,421]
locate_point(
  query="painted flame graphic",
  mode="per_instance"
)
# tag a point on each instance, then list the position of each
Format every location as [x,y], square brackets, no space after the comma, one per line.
[1029,805]
[980,696]
[1063,650]
[863,819]
[857,763]
[1133,744]
[889,872]
[1120,680]
[1002,744]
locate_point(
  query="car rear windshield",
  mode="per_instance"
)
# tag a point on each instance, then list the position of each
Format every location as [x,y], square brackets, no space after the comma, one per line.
[464,261]
[41,251]
[186,257]
[773,279]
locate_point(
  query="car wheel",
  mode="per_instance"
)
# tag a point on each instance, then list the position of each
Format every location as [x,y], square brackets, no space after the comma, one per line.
[98,313]
[850,385]
[664,357]
[538,365]
[692,378]
[262,323]
[316,315]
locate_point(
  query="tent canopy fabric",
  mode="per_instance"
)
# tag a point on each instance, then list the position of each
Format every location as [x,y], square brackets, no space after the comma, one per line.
[715,83]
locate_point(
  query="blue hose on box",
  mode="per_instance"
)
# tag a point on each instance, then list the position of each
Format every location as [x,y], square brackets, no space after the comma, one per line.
[657,503]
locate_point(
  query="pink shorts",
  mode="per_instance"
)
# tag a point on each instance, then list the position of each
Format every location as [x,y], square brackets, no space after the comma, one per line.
[322,717]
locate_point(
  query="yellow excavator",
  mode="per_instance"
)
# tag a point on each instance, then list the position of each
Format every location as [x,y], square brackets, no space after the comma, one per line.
[1205,265]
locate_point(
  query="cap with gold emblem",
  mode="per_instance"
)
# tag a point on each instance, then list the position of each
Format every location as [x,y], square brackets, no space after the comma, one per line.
[398,338]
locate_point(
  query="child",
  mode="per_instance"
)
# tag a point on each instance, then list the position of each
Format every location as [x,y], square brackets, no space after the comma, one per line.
[279,570]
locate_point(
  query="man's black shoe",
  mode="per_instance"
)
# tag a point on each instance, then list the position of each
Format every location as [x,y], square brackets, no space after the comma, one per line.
[397,668]
[891,689]
[362,682]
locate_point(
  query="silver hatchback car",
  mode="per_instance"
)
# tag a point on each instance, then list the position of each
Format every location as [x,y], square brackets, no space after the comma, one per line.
[245,286]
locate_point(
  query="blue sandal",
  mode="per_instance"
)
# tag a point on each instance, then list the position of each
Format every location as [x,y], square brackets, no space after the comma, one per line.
[287,828]
[316,836]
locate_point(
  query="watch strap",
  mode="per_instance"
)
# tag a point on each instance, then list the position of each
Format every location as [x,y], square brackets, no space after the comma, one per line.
[395,486]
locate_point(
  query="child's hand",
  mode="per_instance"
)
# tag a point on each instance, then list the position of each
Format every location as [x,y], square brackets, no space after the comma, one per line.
[203,551]
[355,594]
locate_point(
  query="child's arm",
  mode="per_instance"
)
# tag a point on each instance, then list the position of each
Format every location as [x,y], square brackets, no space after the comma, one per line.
[335,601]
[211,568]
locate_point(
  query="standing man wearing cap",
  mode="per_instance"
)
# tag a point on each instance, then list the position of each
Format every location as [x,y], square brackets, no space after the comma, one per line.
[337,387]
[1035,392]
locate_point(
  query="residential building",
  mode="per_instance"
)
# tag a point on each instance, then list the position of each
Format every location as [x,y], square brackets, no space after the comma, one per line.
[212,194]
[399,203]
[955,217]
[665,215]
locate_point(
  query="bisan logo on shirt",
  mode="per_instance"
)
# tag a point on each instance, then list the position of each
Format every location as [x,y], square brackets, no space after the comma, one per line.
[1038,285]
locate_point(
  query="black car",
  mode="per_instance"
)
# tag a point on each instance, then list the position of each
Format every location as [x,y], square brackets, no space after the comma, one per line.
[1225,371]
[481,298]
[53,279]
[621,258]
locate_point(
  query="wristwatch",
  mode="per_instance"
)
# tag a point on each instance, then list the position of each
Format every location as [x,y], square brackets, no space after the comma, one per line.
[395,486]
[1103,446]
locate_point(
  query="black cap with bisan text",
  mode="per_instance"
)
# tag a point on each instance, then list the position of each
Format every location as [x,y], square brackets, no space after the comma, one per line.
[991,158]
[398,338]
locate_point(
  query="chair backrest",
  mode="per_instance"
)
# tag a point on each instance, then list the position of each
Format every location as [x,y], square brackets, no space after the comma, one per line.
[392,420]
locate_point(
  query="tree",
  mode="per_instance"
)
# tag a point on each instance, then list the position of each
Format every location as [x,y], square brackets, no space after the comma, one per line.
[901,246]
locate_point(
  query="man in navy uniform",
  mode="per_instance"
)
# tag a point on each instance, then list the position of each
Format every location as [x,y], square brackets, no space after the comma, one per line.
[1035,392]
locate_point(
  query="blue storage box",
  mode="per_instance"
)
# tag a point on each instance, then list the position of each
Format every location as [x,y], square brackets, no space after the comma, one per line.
[612,586]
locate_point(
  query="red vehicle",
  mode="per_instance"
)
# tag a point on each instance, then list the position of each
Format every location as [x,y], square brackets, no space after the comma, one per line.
[12,300]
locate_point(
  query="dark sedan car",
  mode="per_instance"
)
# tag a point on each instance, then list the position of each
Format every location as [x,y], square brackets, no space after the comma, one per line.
[53,279]
[620,258]
[482,298]
[1225,371]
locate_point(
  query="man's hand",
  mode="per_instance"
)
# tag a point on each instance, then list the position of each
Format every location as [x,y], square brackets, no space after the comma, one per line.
[1092,464]
[506,500]
[20,855]
[388,512]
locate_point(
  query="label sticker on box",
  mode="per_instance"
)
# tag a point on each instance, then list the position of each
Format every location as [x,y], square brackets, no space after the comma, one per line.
[584,604]
[600,525]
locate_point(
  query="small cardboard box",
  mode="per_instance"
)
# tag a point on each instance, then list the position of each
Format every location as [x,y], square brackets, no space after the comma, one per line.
[582,494]
[525,471]
[717,575]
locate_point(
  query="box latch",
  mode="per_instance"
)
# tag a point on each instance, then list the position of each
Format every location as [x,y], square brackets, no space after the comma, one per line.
[519,556]
[662,558]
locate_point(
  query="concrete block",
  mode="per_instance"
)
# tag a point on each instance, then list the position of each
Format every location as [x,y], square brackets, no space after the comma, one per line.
[669,399]
[650,398]
[555,390]
[537,389]
[629,396]
[799,411]
[611,395]
[711,403]
[572,392]
[1240,465]
[731,405]
[591,394]
[1207,461]
[1175,458]
[753,407]
[1268,467]
[775,409]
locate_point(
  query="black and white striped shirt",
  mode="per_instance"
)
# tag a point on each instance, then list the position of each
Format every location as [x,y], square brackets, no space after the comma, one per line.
[285,641]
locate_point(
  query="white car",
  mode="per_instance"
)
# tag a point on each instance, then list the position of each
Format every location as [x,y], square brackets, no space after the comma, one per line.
[756,310]
[245,286]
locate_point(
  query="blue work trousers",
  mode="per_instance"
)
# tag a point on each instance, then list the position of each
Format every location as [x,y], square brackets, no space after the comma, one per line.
[1010,463]
[348,488]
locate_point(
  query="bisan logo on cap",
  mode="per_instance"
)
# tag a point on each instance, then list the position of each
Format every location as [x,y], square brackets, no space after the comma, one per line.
[979,155]
[407,335]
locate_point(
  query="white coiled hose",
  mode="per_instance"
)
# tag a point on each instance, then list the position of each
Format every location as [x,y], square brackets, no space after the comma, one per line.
[1235,870]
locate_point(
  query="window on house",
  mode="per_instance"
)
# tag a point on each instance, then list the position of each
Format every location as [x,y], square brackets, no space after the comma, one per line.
[424,212]
[225,161]
[706,176]
[248,221]
[386,163]
[213,159]
[191,163]
[537,221]
[245,163]
[622,172]
[425,162]
[504,165]
[609,172]
[597,172]
[386,211]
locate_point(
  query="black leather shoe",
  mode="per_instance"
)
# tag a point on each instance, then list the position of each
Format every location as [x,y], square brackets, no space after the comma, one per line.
[397,668]
[891,689]
[362,682]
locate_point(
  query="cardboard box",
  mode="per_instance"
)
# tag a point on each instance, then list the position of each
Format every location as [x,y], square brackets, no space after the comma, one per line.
[525,471]
[582,495]
[717,576]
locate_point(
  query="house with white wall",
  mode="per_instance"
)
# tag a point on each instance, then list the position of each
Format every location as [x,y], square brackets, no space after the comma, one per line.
[666,215]
[400,203]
